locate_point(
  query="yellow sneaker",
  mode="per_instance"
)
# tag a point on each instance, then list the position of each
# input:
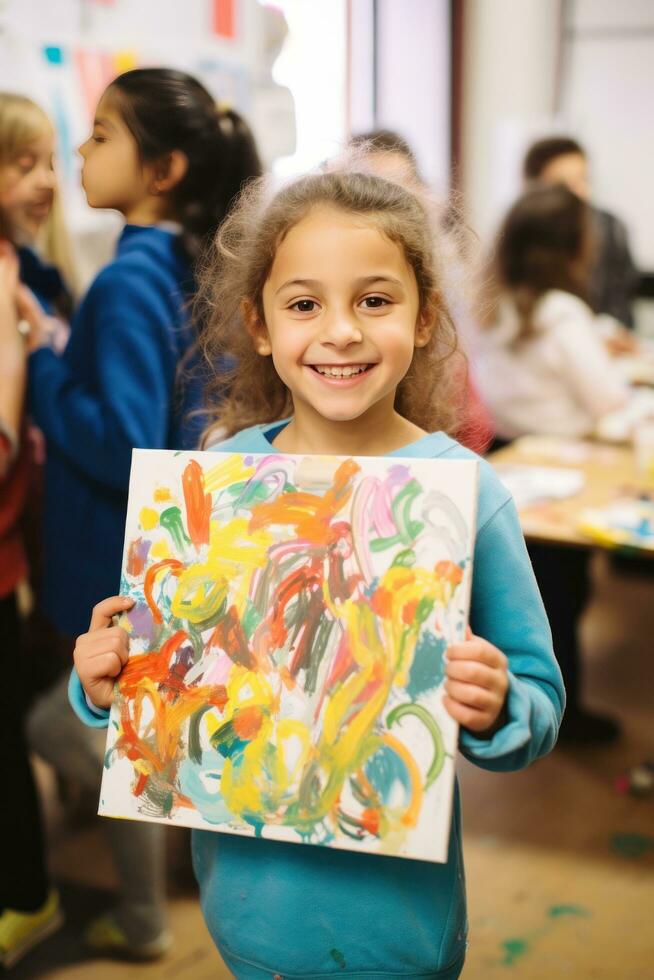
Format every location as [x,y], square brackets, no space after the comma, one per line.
[20,931]
[104,935]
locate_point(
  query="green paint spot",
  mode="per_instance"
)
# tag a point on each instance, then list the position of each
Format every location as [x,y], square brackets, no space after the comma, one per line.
[171,520]
[631,845]
[405,558]
[556,911]
[338,958]
[513,950]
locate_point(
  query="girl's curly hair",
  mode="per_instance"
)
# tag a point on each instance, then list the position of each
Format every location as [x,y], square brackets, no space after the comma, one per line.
[243,388]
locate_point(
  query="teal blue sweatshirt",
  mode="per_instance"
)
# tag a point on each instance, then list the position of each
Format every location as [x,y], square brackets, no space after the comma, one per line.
[293,911]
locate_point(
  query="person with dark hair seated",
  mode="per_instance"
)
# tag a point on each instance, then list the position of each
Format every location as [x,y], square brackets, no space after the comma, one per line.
[613,276]
[544,370]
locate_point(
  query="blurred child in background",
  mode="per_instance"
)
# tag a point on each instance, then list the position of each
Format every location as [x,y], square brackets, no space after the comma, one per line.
[170,161]
[387,154]
[612,275]
[34,244]
[544,369]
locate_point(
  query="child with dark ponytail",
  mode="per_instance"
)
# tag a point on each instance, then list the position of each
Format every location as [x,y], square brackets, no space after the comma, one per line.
[170,161]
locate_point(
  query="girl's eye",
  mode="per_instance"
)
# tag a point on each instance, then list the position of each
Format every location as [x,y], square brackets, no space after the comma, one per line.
[25,164]
[304,306]
[375,302]
[99,139]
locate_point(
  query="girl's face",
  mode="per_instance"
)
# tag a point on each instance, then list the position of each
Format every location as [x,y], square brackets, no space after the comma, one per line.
[27,185]
[342,316]
[112,173]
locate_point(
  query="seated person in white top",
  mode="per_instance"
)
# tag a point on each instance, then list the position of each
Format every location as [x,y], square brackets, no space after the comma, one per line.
[543,367]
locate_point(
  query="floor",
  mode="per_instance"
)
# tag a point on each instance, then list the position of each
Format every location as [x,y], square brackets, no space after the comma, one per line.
[560,865]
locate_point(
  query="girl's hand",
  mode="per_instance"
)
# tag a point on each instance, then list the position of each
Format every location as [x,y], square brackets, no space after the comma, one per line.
[476,685]
[101,654]
[40,324]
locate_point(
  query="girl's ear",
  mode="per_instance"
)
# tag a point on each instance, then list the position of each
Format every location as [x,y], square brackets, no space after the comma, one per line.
[425,326]
[169,171]
[256,328]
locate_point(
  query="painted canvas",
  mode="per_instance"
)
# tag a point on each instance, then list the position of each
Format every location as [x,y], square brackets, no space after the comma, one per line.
[287,647]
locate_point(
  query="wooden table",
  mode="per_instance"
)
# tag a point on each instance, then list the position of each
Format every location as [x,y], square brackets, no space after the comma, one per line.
[609,471]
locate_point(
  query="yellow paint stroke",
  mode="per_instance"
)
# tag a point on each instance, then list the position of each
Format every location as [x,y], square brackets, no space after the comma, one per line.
[148,518]
[226,473]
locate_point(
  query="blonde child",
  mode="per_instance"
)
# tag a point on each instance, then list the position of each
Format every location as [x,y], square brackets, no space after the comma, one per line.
[33,250]
[329,299]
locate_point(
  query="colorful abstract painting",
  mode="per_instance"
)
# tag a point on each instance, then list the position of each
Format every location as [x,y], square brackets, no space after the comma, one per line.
[287,647]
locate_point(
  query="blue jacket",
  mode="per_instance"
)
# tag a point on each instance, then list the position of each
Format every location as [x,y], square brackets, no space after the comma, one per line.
[113,389]
[310,912]
[44,280]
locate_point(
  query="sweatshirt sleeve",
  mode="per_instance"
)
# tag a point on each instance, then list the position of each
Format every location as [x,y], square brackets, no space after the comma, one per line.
[93,717]
[507,610]
[96,426]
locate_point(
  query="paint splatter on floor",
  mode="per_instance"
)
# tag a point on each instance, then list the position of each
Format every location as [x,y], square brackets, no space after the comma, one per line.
[556,911]
[514,949]
[631,845]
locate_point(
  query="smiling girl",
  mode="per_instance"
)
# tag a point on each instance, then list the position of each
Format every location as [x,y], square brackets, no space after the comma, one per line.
[329,298]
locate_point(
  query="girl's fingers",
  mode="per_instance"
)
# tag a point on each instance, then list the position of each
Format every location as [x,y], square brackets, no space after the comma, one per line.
[478,651]
[467,717]
[109,664]
[470,695]
[96,644]
[472,672]
[103,612]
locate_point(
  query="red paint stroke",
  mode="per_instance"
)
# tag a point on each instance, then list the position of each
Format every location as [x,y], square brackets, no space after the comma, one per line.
[176,567]
[198,504]
[141,783]
[136,557]
[223,21]
[230,636]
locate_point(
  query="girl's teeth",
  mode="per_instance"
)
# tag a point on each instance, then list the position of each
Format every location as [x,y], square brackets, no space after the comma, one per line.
[344,372]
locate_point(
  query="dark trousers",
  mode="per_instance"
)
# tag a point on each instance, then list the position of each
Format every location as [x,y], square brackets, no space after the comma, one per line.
[23,876]
[563,577]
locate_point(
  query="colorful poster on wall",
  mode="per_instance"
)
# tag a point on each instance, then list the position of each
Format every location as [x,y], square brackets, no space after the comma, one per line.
[287,647]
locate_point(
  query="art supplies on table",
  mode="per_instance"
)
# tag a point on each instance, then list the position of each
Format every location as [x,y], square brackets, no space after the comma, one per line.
[533,485]
[624,523]
[287,647]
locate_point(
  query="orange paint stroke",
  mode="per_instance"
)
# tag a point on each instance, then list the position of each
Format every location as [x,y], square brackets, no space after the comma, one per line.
[410,816]
[135,562]
[198,504]
[176,567]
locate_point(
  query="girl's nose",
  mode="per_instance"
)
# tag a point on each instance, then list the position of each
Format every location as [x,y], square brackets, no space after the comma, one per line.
[341,330]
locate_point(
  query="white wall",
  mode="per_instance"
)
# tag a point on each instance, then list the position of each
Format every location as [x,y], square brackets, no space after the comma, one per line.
[413,77]
[511,50]
[608,103]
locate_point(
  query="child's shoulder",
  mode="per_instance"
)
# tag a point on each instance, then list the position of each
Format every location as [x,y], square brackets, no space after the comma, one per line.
[493,495]
[254,439]
[142,255]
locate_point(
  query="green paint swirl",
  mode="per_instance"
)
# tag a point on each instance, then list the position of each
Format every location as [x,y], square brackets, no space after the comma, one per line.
[431,725]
